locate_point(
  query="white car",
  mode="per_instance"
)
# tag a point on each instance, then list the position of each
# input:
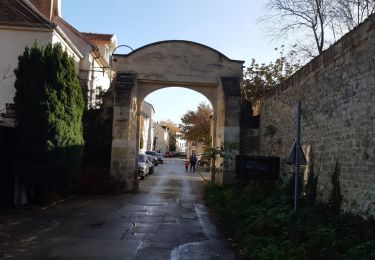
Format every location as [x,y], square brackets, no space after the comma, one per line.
[150,164]
[143,165]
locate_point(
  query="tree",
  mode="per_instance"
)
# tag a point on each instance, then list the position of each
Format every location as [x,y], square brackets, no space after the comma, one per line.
[171,126]
[260,78]
[49,106]
[350,13]
[5,74]
[196,124]
[172,142]
[321,21]
[309,16]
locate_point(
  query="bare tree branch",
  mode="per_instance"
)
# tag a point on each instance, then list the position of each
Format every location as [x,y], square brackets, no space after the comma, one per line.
[5,74]
[321,21]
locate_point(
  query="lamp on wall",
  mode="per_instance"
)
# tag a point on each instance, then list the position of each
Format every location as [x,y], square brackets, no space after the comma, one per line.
[122,45]
[112,60]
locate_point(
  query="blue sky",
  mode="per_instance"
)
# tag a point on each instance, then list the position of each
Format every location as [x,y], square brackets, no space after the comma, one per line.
[229,26]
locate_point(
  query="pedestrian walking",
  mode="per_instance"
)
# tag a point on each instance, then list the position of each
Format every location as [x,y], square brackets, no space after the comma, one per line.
[186,163]
[193,161]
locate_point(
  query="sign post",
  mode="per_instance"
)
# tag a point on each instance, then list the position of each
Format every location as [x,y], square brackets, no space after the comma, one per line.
[296,155]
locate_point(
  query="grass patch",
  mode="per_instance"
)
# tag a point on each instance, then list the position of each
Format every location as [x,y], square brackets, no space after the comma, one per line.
[262,223]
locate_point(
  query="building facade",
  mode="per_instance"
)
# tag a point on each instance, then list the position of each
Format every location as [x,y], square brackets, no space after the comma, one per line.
[24,23]
[194,147]
[181,144]
[161,138]
[147,130]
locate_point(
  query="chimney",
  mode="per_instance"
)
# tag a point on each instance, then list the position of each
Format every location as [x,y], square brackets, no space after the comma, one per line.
[56,8]
[48,8]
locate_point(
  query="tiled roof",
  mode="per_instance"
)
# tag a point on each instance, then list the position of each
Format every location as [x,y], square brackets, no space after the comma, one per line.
[98,36]
[21,13]
[72,32]
[43,6]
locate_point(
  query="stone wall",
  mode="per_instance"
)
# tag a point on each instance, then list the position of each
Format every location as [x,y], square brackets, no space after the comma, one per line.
[183,64]
[125,133]
[337,91]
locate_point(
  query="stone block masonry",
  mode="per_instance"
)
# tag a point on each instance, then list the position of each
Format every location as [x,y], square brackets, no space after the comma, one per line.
[337,91]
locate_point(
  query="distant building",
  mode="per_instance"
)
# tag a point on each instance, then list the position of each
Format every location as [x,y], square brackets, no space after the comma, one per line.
[181,144]
[161,138]
[194,147]
[147,130]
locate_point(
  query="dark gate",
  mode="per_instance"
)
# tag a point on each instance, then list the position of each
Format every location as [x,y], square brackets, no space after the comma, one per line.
[7,166]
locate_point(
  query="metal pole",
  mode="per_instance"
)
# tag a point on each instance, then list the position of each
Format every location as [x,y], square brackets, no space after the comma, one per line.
[297,148]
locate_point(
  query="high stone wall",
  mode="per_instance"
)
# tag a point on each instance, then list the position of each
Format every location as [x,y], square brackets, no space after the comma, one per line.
[337,91]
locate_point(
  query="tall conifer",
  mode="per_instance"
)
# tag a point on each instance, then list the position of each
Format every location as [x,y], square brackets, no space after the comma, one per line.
[49,106]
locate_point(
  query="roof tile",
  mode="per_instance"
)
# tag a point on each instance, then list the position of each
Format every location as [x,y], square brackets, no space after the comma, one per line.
[98,36]
[22,13]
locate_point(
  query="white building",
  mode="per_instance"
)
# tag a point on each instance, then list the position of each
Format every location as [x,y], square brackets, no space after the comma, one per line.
[94,70]
[161,138]
[147,130]
[25,22]
[181,144]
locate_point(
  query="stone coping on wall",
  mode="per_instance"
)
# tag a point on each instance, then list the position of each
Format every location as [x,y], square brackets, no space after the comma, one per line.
[335,51]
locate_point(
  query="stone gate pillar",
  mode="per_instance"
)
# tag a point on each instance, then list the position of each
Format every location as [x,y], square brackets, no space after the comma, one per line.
[124,142]
[230,133]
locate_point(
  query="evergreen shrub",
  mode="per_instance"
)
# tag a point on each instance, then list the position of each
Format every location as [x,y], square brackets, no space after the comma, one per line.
[49,106]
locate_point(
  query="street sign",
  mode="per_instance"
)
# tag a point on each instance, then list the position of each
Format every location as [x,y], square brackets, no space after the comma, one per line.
[292,156]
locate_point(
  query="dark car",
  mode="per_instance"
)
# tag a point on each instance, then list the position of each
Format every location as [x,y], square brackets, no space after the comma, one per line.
[154,155]
[160,158]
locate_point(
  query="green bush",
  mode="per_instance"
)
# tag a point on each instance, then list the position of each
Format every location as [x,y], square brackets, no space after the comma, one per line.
[49,106]
[261,221]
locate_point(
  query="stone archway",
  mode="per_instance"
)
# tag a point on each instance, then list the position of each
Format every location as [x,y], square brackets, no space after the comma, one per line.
[164,64]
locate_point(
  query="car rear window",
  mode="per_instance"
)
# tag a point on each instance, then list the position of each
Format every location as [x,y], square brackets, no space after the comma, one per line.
[151,153]
[141,158]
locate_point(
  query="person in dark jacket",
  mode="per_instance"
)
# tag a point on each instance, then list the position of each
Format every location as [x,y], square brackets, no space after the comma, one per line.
[193,161]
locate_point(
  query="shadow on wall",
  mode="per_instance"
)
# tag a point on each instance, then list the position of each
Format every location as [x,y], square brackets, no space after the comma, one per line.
[97,133]
[249,144]
[8,144]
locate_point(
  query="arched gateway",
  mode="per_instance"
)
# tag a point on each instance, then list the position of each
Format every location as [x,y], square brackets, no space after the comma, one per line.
[165,64]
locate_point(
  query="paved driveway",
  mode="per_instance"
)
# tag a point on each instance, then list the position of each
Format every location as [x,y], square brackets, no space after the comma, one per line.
[165,220]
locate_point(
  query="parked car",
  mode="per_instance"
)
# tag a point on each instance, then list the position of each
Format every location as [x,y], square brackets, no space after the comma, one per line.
[155,157]
[160,158]
[143,165]
[183,155]
[172,154]
[150,158]
[201,159]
